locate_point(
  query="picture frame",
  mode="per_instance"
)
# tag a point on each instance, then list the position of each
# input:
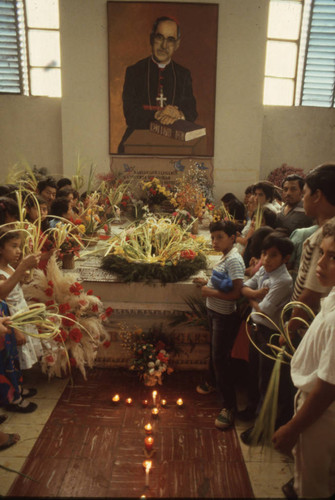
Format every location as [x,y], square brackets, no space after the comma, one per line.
[129,28]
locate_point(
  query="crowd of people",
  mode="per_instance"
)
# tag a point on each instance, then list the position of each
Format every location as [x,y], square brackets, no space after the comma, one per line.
[277,245]
[284,252]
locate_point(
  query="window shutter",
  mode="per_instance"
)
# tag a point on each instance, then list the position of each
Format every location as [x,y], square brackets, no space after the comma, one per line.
[10,72]
[319,70]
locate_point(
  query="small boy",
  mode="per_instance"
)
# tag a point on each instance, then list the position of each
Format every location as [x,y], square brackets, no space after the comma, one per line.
[268,291]
[311,432]
[223,318]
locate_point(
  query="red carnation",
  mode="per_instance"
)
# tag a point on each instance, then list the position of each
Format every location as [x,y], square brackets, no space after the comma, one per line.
[69,319]
[109,311]
[64,308]
[61,336]
[49,302]
[75,334]
[76,288]
[50,283]
[48,292]
[89,292]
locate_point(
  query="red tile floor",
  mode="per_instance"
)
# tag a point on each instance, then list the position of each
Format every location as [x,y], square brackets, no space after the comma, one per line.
[91,448]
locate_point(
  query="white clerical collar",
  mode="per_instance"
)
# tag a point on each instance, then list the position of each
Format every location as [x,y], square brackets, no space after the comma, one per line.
[161,65]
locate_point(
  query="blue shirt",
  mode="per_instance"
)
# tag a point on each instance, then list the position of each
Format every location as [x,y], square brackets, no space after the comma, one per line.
[280,286]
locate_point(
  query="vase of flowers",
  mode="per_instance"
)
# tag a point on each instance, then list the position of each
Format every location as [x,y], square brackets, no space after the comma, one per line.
[150,352]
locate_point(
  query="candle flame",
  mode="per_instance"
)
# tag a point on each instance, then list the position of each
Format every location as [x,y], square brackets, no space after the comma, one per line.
[147,465]
[116,397]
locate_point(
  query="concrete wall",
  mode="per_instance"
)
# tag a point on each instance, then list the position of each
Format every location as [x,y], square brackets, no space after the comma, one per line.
[250,140]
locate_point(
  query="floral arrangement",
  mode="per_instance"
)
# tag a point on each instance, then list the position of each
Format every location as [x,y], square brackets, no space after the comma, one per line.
[190,192]
[81,328]
[183,218]
[173,254]
[278,174]
[221,213]
[70,245]
[154,193]
[151,352]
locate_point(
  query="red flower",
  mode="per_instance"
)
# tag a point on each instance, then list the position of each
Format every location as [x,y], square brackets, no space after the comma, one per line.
[49,292]
[188,254]
[160,345]
[50,283]
[124,203]
[89,292]
[95,308]
[61,336]
[103,317]
[109,311]
[83,302]
[49,302]
[107,343]
[49,359]
[76,288]
[78,221]
[69,319]
[162,358]
[105,228]
[75,334]
[64,308]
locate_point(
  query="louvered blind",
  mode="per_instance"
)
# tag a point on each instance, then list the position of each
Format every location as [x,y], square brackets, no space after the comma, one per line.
[319,71]
[10,66]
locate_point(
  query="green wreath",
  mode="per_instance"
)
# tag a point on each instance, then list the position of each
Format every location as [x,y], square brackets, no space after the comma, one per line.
[169,273]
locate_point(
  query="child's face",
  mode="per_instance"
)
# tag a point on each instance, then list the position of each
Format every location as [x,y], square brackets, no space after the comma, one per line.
[221,242]
[272,259]
[33,212]
[10,253]
[325,270]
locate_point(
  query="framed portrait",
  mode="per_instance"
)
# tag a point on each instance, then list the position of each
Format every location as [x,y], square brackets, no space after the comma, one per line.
[162,78]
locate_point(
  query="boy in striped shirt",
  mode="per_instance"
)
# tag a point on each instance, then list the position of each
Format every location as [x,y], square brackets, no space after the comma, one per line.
[223,318]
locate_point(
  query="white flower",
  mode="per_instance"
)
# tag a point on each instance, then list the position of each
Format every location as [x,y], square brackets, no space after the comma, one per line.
[151,364]
[151,371]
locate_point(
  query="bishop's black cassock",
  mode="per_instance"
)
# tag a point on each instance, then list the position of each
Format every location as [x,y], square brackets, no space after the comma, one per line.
[144,82]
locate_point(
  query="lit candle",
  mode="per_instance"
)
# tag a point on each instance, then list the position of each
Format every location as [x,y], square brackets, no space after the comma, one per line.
[116,399]
[180,402]
[154,413]
[148,428]
[154,395]
[163,403]
[129,401]
[147,465]
[148,443]
[145,403]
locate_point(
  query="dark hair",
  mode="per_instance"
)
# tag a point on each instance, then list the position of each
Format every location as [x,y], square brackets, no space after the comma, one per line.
[329,228]
[249,189]
[64,191]
[282,243]
[227,226]
[160,20]
[237,209]
[64,181]
[228,197]
[8,206]
[294,177]
[270,217]
[59,206]
[47,182]
[267,187]
[7,234]
[256,241]
[323,178]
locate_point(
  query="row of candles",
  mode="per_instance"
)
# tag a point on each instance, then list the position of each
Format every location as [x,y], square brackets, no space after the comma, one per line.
[149,440]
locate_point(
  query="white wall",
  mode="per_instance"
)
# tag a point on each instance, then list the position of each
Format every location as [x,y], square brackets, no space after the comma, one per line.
[30,131]
[250,140]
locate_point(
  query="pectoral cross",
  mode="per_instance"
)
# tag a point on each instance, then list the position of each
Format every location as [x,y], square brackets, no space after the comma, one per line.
[160,99]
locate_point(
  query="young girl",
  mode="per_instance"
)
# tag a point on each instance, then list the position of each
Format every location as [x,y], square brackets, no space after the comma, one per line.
[10,290]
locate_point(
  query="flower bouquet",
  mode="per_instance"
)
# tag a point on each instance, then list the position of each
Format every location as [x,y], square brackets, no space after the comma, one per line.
[80,317]
[278,174]
[155,194]
[151,352]
[156,249]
